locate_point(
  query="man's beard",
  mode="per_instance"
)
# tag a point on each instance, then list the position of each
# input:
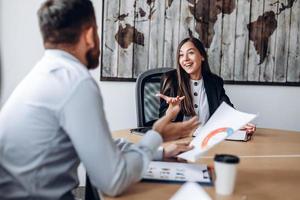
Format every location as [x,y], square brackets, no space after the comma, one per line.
[92,57]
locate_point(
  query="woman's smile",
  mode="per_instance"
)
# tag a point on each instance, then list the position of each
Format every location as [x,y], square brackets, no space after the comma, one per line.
[190,60]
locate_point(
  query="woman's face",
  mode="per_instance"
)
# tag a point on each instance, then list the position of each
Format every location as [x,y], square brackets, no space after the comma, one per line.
[190,60]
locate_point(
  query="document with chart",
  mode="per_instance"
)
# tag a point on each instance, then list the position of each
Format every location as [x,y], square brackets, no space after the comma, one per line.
[177,172]
[223,123]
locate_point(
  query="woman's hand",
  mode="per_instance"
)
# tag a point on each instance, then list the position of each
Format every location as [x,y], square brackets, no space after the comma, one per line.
[172,101]
[173,149]
[249,128]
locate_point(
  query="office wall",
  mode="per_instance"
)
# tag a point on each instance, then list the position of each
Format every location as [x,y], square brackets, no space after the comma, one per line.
[21,46]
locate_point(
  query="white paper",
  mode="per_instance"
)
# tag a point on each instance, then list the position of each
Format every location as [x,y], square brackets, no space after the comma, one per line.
[223,123]
[181,172]
[190,191]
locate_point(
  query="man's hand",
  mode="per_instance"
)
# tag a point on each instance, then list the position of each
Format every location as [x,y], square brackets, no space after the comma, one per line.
[173,130]
[173,149]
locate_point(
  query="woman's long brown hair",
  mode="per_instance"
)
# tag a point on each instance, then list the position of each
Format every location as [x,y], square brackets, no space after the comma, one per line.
[184,88]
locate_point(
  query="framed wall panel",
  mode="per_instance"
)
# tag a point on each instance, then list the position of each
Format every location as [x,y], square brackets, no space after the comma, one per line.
[248,41]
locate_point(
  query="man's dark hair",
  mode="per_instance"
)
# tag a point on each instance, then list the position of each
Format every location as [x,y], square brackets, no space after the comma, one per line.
[62,21]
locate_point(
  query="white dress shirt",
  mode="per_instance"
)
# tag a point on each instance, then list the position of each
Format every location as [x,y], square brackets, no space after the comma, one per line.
[200,101]
[53,120]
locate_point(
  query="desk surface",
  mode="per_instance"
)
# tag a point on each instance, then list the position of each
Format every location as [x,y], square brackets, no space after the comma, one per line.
[269,168]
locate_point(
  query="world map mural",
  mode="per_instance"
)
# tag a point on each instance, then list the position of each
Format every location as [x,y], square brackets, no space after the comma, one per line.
[248,41]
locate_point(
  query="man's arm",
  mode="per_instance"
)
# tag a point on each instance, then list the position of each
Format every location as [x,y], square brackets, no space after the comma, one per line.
[124,144]
[109,169]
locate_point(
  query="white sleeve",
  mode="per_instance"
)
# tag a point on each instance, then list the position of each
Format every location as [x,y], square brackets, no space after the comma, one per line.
[110,169]
[123,144]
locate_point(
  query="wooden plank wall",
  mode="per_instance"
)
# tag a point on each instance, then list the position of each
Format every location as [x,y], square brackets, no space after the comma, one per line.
[140,55]
[241,41]
[293,74]
[109,44]
[267,67]
[248,41]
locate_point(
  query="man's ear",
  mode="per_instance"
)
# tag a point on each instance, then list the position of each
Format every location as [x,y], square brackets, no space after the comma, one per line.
[89,37]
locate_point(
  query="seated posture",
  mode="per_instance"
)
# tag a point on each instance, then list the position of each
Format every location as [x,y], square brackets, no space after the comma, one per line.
[55,118]
[193,86]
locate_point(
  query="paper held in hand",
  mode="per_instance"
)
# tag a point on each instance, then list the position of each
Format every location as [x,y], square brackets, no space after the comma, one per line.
[223,123]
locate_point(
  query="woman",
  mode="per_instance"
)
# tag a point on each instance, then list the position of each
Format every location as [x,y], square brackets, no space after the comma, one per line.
[193,86]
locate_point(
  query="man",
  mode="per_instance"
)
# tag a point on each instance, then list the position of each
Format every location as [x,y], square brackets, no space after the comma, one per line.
[54,119]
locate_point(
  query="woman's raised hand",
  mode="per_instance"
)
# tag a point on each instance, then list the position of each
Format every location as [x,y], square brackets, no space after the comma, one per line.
[171,100]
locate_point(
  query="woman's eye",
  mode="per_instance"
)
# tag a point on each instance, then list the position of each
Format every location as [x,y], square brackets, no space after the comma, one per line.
[180,55]
[191,52]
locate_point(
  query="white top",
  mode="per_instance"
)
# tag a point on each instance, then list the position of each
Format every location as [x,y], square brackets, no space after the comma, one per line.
[200,101]
[53,120]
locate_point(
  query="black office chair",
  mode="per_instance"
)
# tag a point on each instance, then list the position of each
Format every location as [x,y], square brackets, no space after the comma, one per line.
[91,192]
[147,104]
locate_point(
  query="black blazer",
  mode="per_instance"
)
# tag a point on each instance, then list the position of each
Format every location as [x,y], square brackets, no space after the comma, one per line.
[214,89]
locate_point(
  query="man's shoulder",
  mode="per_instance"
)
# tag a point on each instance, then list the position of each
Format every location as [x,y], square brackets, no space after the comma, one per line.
[54,80]
[64,72]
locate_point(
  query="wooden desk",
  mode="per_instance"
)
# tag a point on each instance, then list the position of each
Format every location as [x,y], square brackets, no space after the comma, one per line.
[269,168]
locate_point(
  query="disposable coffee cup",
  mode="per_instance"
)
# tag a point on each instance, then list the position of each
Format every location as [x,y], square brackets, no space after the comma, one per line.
[225,169]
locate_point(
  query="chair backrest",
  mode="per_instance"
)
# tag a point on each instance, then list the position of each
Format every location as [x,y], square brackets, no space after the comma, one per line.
[147,106]
[91,192]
